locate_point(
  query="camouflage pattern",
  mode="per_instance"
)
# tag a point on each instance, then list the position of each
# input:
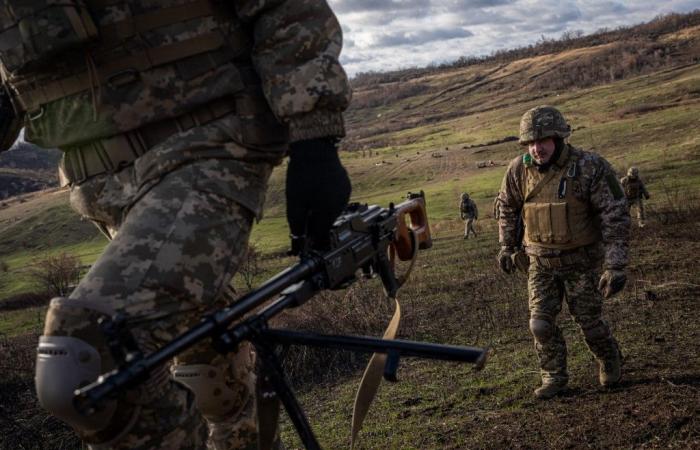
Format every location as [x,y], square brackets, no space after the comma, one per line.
[469,213]
[288,70]
[177,236]
[542,122]
[597,186]
[546,290]
[636,192]
[555,274]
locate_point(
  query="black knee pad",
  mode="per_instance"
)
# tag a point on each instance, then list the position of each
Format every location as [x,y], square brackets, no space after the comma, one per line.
[541,330]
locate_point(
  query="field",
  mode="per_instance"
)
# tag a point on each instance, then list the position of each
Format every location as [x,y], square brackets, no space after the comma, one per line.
[449,136]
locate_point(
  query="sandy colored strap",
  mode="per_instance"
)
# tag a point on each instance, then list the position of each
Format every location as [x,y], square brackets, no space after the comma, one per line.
[371,379]
[31,100]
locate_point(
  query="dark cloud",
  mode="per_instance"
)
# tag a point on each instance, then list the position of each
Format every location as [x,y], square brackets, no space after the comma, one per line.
[419,37]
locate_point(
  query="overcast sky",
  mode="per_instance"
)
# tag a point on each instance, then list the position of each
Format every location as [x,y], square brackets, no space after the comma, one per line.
[383,35]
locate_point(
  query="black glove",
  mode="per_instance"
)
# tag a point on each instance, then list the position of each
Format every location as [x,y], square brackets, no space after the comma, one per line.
[505,260]
[318,189]
[611,282]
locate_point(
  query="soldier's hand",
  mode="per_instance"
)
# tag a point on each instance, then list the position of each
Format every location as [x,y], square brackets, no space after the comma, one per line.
[611,282]
[317,190]
[647,196]
[505,260]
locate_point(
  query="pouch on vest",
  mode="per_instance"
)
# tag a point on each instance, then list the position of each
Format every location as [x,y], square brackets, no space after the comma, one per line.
[35,32]
[547,223]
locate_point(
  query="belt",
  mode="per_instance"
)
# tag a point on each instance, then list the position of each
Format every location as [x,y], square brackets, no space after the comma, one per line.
[579,256]
[110,155]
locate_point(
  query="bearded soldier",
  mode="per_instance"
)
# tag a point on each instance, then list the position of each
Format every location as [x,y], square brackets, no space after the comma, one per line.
[171,115]
[636,192]
[469,213]
[575,217]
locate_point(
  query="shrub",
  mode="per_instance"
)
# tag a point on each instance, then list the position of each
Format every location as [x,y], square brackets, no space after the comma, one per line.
[56,274]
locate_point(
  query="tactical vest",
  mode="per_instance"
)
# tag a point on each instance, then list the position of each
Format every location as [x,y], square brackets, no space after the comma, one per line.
[553,216]
[87,69]
[633,188]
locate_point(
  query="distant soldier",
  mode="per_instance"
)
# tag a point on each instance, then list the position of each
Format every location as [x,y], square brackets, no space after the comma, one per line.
[636,192]
[469,213]
[575,215]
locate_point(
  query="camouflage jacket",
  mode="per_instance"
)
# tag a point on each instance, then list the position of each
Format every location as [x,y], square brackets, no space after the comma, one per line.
[634,188]
[597,186]
[278,58]
[467,209]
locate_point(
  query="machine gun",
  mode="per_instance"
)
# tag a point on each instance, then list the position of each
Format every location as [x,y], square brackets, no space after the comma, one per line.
[364,238]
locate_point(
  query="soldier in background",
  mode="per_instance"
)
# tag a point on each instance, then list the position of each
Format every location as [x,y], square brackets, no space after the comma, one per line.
[636,192]
[575,215]
[469,213]
[171,115]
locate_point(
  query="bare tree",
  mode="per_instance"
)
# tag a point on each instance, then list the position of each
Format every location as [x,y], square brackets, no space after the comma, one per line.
[56,274]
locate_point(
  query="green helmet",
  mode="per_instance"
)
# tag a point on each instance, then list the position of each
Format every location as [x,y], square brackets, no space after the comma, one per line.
[633,172]
[542,122]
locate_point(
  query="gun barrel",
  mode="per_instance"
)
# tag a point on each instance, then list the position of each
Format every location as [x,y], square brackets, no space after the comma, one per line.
[374,345]
[88,398]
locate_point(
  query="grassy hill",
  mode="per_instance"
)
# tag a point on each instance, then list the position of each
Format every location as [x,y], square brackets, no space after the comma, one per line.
[439,131]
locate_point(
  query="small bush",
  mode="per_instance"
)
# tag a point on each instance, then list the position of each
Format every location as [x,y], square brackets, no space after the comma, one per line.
[56,274]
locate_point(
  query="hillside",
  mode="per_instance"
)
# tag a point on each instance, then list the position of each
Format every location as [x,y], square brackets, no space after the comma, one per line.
[447,131]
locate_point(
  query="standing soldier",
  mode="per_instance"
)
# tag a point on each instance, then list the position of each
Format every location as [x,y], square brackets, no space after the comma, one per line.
[171,115]
[575,215]
[634,189]
[469,213]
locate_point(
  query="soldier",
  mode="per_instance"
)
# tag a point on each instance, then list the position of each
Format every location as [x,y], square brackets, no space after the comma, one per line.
[171,115]
[634,189]
[575,215]
[469,213]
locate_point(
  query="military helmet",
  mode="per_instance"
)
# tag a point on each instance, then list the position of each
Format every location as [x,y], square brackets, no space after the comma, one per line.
[542,122]
[633,172]
[465,196]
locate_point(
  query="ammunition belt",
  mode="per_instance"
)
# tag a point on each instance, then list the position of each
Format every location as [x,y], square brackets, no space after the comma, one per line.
[112,154]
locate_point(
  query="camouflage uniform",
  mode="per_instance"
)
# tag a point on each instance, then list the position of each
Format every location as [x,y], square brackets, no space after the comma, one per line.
[574,215]
[469,213]
[171,124]
[636,192]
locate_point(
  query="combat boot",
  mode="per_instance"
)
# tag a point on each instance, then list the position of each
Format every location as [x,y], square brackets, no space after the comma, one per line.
[549,389]
[610,370]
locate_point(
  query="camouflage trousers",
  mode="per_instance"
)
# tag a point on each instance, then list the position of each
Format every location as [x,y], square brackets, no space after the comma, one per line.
[547,288]
[178,233]
[469,227]
[639,205]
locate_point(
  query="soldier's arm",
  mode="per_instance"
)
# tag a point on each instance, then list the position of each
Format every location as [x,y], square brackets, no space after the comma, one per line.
[645,193]
[297,44]
[609,203]
[10,121]
[510,203]
[476,210]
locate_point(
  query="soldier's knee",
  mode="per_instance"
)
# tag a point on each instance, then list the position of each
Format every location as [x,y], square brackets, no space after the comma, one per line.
[541,329]
[596,331]
[213,396]
[72,353]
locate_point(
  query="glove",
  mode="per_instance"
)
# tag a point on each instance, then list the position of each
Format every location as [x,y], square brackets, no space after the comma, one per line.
[505,260]
[611,282]
[317,190]
[521,261]
[646,196]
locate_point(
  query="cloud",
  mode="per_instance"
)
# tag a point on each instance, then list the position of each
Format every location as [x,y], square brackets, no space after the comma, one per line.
[391,34]
[419,37]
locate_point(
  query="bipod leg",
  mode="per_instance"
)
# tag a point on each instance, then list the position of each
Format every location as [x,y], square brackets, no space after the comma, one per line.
[272,371]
